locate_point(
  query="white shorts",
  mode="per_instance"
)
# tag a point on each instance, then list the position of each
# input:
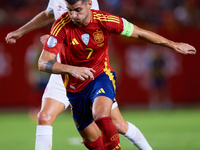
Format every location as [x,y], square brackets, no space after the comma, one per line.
[56,90]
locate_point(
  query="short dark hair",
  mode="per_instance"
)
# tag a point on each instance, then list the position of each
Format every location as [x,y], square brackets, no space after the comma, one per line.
[72,2]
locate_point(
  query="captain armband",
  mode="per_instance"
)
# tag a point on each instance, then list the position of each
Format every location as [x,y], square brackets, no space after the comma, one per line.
[128,28]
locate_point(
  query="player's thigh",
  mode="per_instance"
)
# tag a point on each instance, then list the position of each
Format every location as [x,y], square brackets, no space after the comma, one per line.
[104,95]
[101,107]
[90,133]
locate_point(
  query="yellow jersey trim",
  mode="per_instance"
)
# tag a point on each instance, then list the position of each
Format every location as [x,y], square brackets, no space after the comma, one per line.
[110,74]
[56,29]
[109,18]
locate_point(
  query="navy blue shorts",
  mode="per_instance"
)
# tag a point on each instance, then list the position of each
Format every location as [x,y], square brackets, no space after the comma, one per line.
[81,102]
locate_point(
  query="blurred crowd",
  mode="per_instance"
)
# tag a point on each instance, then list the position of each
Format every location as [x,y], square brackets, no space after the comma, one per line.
[149,12]
[18,12]
[157,12]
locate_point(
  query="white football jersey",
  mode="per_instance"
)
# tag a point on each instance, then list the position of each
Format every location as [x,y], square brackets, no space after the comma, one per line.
[58,7]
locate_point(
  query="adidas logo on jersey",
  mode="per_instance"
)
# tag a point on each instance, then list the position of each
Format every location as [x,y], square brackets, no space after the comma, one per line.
[74,42]
[101,91]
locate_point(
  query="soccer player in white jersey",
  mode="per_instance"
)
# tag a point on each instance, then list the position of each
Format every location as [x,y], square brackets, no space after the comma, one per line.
[54,100]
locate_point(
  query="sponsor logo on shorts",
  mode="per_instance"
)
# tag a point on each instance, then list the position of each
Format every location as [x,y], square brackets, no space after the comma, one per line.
[101,91]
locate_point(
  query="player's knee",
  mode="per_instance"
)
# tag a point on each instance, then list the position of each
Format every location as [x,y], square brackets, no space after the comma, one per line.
[100,115]
[44,118]
[122,127]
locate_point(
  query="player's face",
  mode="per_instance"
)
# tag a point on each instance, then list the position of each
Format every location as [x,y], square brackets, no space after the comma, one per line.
[80,12]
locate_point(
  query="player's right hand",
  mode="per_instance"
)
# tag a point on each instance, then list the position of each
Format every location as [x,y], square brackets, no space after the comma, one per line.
[12,37]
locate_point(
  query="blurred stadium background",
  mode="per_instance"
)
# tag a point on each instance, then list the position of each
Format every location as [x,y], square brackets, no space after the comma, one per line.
[157,88]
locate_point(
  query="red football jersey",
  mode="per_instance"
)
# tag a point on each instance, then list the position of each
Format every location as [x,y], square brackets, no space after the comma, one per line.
[83,46]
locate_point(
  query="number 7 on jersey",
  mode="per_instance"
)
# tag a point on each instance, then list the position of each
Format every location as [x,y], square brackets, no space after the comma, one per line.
[90,53]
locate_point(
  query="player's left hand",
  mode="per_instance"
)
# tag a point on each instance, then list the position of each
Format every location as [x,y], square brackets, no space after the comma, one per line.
[184,48]
[82,73]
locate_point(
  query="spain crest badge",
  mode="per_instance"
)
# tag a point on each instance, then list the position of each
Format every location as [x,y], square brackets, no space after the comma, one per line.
[98,36]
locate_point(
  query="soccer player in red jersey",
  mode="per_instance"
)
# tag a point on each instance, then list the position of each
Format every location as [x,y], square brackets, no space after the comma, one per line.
[81,38]
[54,99]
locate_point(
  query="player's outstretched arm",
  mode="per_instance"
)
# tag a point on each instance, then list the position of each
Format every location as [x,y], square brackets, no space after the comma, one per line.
[154,38]
[40,20]
[47,63]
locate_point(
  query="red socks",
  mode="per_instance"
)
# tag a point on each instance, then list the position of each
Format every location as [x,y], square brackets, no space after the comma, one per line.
[109,133]
[96,145]
[109,139]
